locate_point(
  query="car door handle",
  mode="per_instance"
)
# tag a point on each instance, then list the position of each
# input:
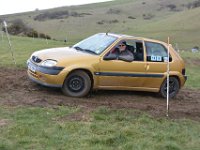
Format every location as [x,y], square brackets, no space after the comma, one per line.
[147,67]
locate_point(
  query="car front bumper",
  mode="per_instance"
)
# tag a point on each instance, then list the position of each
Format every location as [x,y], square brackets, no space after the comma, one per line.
[46,76]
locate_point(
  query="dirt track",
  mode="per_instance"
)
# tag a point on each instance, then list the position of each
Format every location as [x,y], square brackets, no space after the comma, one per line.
[16,89]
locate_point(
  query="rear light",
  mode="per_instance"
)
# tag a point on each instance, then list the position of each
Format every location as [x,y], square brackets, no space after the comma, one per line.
[183,71]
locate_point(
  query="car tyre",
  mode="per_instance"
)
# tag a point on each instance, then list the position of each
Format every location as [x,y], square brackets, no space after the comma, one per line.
[173,87]
[77,84]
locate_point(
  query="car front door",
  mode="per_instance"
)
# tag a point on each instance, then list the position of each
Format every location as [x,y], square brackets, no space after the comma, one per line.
[119,73]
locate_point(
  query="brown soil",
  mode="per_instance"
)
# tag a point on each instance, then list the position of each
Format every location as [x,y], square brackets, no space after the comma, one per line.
[17,90]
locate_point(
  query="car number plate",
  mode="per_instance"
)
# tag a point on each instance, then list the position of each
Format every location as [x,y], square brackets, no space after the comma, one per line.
[32,68]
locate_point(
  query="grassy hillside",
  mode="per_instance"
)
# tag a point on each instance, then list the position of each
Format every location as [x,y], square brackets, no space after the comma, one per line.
[151,18]
[183,28]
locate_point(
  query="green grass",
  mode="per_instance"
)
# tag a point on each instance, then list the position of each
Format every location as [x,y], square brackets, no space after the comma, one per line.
[192,69]
[45,128]
[23,48]
[193,74]
[188,55]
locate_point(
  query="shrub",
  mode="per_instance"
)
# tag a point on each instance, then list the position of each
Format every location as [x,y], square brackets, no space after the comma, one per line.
[196,47]
[172,7]
[48,37]
[44,36]
[52,15]
[131,17]
[148,16]
[194,4]
[18,27]
[100,22]
[58,15]
[32,33]
[107,21]
[113,11]
[75,14]
[113,21]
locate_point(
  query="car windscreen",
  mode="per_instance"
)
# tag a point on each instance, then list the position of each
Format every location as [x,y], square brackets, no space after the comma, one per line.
[95,44]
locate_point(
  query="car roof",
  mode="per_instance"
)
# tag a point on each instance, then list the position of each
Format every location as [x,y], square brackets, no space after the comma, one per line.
[129,36]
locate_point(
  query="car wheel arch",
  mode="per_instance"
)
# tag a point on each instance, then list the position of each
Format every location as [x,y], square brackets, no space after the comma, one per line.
[164,82]
[173,75]
[177,77]
[84,70]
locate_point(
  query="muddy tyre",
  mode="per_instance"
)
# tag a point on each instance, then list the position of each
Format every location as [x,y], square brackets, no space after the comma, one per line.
[77,84]
[173,87]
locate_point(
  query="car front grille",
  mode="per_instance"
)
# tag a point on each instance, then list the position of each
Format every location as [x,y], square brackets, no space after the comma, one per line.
[33,74]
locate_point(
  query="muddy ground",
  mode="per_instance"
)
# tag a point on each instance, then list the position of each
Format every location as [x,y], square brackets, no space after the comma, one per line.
[17,90]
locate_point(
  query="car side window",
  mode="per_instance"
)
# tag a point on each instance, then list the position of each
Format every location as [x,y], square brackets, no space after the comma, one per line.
[135,48]
[155,52]
[139,51]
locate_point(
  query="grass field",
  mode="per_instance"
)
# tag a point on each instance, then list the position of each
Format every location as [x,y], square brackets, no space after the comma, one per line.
[48,128]
[63,127]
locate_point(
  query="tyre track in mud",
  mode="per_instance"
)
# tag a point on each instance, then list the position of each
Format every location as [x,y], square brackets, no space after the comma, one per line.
[17,90]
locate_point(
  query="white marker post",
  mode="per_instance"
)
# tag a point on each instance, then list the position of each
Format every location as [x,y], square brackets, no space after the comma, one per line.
[2,33]
[177,48]
[10,45]
[46,39]
[33,36]
[168,78]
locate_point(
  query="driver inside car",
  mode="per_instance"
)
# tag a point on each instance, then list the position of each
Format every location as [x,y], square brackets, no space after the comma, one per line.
[123,53]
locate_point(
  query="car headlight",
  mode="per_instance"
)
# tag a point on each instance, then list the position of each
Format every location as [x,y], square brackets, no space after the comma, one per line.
[49,63]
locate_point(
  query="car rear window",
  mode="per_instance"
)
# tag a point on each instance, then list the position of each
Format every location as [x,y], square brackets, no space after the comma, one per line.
[156,52]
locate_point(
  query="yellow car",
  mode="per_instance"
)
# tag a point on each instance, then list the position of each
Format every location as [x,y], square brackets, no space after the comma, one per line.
[111,62]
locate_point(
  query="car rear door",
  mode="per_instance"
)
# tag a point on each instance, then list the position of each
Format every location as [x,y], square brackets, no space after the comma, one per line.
[156,56]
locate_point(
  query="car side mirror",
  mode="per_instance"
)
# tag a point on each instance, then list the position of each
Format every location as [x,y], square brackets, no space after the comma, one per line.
[110,57]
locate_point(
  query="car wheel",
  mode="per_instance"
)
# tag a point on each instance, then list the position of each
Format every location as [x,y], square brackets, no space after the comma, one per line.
[77,84]
[173,87]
